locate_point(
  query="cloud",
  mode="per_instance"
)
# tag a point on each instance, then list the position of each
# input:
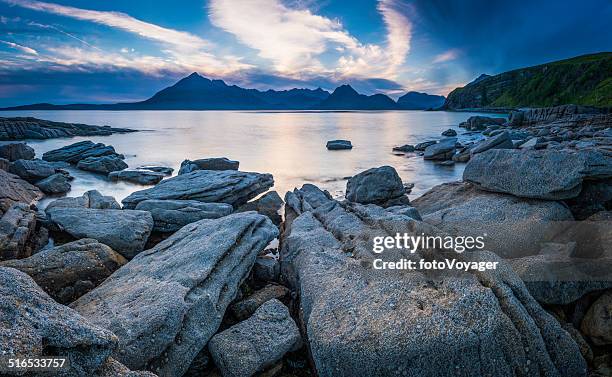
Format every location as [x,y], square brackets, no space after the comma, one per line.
[446,56]
[19,47]
[399,33]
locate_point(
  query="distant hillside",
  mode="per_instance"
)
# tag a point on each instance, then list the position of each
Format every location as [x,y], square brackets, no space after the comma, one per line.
[419,101]
[347,98]
[583,80]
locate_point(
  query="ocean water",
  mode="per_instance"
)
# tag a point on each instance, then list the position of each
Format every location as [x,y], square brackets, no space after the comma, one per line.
[289,145]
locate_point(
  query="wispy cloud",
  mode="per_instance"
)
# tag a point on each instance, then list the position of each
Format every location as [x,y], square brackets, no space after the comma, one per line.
[399,32]
[25,49]
[446,56]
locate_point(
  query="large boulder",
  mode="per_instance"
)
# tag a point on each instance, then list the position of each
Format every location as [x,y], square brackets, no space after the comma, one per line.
[512,227]
[76,152]
[381,186]
[33,325]
[360,320]
[209,186]
[597,323]
[442,150]
[171,215]
[102,165]
[14,151]
[539,174]
[215,163]
[90,199]
[257,343]
[69,271]
[268,204]
[17,227]
[125,231]
[57,183]
[14,190]
[166,303]
[141,177]
[499,141]
[32,170]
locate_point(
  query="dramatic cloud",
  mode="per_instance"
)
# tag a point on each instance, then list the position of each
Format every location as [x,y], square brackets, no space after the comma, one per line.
[19,47]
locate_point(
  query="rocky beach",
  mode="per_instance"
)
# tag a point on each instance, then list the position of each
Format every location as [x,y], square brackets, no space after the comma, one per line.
[210,272]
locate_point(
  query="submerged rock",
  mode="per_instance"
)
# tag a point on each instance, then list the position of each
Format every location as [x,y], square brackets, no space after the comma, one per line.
[268,204]
[172,215]
[166,303]
[209,186]
[69,271]
[257,343]
[443,150]
[141,177]
[125,231]
[103,165]
[54,184]
[14,151]
[381,186]
[17,227]
[404,148]
[90,199]
[334,145]
[76,152]
[14,190]
[35,326]
[215,163]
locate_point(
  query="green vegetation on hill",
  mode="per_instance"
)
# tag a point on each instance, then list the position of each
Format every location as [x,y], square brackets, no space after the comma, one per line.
[583,80]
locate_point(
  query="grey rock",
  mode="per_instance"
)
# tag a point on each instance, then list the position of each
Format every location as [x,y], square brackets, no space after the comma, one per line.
[479,123]
[376,186]
[551,175]
[529,143]
[32,170]
[5,164]
[157,169]
[113,368]
[142,177]
[17,227]
[54,184]
[69,271]
[172,215]
[536,116]
[424,323]
[266,268]
[268,204]
[443,150]
[19,128]
[166,303]
[76,152]
[33,325]
[90,199]
[462,156]
[597,323]
[334,145]
[449,132]
[209,186]
[14,151]
[245,308]
[14,190]
[125,231]
[215,163]
[422,146]
[595,196]
[257,343]
[103,165]
[500,141]
[404,148]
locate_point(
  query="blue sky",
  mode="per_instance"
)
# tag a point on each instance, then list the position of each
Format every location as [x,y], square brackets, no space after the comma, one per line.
[109,51]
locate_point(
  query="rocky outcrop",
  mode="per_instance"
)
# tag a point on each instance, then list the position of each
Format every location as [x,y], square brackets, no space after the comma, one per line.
[21,128]
[381,186]
[69,271]
[209,186]
[166,303]
[334,145]
[16,151]
[90,199]
[17,228]
[245,308]
[542,115]
[76,152]
[34,325]
[257,343]
[141,177]
[461,209]
[442,150]
[15,189]
[171,215]
[450,132]
[54,184]
[268,204]
[480,123]
[32,170]
[125,231]
[499,141]
[551,175]
[423,322]
[215,163]
[102,165]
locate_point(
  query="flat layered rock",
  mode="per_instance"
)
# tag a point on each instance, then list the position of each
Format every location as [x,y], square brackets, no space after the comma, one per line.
[103,165]
[32,170]
[69,271]
[257,343]
[214,163]
[499,141]
[172,215]
[14,190]
[423,323]
[33,325]
[166,303]
[381,186]
[125,231]
[76,152]
[14,151]
[442,150]
[57,183]
[141,177]
[17,227]
[90,199]
[209,186]
[539,174]
[20,128]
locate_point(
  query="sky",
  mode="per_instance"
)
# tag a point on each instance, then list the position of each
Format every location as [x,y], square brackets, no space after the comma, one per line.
[106,51]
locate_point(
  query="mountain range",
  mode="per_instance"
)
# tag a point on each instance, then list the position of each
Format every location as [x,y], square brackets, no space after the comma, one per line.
[195,92]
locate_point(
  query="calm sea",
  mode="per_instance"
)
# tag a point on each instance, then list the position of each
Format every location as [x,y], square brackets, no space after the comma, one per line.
[290,145]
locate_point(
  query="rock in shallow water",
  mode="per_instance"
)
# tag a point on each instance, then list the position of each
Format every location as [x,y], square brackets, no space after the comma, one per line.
[443,150]
[54,184]
[125,231]
[76,152]
[32,325]
[209,186]
[334,145]
[381,186]
[172,215]
[215,163]
[32,170]
[142,177]
[103,165]
[257,343]
[166,303]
